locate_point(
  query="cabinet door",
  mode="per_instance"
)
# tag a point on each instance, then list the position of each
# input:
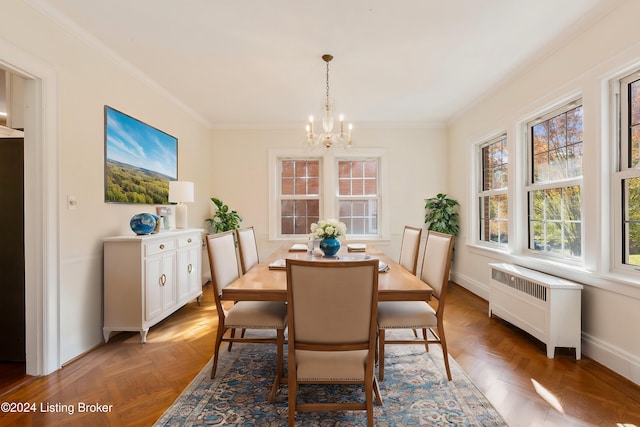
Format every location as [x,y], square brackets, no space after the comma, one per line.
[188,283]
[160,284]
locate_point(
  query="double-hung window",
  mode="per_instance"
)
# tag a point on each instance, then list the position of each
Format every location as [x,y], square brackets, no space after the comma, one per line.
[555,182]
[346,186]
[492,196]
[299,195]
[628,175]
[358,195]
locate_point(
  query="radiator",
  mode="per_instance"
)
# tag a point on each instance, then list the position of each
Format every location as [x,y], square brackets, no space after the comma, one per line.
[547,307]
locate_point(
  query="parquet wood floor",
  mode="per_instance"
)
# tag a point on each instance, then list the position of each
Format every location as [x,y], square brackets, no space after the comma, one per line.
[141,381]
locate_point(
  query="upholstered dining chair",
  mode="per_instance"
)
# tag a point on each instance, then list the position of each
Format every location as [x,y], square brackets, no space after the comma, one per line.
[410,248]
[244,314]
[332,330]
[247,248]
[436,263]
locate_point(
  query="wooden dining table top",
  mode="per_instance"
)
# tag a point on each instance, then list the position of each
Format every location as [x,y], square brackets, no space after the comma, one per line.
[261,283]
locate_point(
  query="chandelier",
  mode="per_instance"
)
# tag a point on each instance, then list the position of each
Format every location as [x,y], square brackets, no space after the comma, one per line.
[328,138]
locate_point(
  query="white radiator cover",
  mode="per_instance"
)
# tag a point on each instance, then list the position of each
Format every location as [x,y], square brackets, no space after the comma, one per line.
[547,307]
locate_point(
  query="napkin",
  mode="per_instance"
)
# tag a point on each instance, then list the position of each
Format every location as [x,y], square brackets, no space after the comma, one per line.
[356,247]
[278,264]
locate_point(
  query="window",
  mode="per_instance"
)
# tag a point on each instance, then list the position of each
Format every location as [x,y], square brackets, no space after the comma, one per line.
[358,195]
[493,198]
[555,182]
[628,175]
[300,195]
[305,188]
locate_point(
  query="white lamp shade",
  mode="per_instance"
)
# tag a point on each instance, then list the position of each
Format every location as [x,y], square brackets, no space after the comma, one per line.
[181,191]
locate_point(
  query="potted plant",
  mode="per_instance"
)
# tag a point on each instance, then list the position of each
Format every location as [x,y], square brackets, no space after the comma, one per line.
[442,215]
[224,219]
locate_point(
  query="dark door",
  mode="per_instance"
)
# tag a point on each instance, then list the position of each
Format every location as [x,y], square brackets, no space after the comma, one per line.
[12,306]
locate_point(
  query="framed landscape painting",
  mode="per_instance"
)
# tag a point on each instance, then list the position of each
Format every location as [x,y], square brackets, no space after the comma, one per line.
[140,160]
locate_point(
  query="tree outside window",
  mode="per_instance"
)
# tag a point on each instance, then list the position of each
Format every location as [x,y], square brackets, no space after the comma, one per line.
[555,201]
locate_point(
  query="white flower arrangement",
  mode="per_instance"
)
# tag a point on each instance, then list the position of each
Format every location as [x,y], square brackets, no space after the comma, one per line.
[329,228]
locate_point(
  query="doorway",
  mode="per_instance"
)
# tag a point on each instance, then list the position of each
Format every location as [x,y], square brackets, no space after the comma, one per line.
[12,303]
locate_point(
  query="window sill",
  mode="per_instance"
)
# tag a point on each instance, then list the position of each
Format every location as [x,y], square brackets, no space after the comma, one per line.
[623,284]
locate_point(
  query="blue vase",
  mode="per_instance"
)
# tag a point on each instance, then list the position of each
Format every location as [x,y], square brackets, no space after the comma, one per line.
[330,246]
[143,223]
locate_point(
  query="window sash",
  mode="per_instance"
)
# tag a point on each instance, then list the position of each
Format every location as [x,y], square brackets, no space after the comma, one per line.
[492,195]
[554,192]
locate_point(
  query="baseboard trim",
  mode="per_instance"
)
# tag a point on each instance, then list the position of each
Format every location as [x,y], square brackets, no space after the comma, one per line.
[480,289]
[610,356]
[614,358]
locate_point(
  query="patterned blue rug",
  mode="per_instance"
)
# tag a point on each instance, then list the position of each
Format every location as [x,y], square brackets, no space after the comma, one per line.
[415,392]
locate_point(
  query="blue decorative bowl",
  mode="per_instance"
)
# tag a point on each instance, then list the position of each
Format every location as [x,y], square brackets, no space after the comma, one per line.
[143,223]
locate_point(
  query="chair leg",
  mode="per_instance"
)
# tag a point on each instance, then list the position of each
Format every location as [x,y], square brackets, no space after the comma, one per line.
[293,390]
[233,334]
[368,389]
[381,354]
[376,390]
[443,344]
[425,337]
[216,349]
[280,352]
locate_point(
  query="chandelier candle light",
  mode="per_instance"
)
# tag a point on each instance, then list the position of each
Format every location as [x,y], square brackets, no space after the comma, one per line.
[327,137]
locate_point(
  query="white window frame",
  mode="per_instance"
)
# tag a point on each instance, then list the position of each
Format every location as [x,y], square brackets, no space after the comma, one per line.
[622,171]
[328,187]
[530,187]
[483,194]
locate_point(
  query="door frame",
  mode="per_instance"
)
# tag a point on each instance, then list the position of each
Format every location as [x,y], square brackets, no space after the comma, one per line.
[41,203]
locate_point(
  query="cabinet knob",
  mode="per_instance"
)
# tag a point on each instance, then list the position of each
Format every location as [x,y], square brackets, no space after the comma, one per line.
[189,240]
[162,246]
[190,268]
[163,279]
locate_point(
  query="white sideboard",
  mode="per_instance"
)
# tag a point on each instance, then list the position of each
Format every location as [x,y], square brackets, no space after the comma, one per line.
[147,278]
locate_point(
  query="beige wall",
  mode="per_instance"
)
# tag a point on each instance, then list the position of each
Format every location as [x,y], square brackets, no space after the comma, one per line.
[583,66]
[239,170]
[86,80]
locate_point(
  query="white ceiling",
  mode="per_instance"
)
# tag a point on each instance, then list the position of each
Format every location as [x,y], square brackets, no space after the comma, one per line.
[254,63]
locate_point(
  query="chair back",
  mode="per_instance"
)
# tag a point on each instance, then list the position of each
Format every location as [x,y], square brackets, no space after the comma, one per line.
[436,262]
[332,302]
[410,248]
[223,261]
[248,248]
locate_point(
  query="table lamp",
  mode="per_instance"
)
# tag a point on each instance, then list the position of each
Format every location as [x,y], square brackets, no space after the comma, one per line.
[181,192]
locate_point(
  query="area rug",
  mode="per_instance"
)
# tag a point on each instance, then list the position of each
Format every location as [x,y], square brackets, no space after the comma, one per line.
[415,392]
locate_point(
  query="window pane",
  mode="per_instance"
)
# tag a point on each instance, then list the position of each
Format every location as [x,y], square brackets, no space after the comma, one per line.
[298,215]
[357,178]
[360,216]
[540,138]
[557,147]
[300,177]
[555,224]
[494,221]
[494,165]
[557,132]
[632,220]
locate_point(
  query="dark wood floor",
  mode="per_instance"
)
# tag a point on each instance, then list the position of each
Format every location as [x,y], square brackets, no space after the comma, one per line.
[509,366]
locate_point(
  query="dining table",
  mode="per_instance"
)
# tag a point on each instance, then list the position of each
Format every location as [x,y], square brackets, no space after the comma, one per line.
[267,281]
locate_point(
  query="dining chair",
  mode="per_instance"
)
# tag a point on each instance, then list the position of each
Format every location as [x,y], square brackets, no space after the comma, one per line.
[410,247]
[332,330]
[221,249]
[247,248]
[436,263]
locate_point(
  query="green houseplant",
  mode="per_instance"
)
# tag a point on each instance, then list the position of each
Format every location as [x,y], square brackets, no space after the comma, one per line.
[224,219]
[442,214]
